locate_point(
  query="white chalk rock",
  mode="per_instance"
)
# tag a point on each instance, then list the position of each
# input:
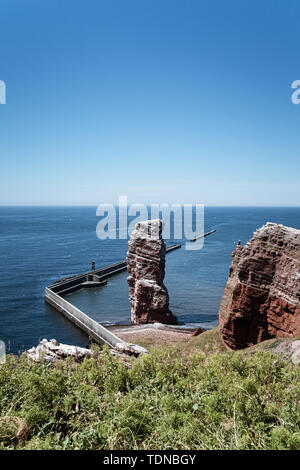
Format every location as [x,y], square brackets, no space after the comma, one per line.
[131,349]
[53,350]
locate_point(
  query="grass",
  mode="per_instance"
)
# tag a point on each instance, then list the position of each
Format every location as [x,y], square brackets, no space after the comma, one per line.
[208,342]
[281,346]
[168,400]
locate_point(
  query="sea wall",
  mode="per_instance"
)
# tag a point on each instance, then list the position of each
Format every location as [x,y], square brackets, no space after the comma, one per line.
[84,322]
[72,283]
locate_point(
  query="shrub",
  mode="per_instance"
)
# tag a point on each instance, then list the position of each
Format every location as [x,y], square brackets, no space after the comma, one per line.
[224,400]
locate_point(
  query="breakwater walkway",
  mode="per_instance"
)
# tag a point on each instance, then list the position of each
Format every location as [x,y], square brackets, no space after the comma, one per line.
[96,278]
[54,295]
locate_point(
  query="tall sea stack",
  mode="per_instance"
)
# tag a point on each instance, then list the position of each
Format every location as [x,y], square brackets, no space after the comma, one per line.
[148,295]
[261,299]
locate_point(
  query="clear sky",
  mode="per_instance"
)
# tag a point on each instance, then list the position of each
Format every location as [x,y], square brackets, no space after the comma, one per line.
[159,100]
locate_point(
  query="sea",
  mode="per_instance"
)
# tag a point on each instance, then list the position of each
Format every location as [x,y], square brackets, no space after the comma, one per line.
[39,245]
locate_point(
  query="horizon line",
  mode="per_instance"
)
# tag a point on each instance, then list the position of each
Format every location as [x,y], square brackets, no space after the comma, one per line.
[149,204]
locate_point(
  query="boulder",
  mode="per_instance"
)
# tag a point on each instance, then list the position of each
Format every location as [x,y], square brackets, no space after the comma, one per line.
[52,351]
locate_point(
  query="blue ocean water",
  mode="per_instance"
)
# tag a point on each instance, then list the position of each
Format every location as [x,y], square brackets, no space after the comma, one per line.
[39,245]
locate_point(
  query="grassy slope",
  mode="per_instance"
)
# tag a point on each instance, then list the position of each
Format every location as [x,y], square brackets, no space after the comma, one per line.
[194,395]
[209,341]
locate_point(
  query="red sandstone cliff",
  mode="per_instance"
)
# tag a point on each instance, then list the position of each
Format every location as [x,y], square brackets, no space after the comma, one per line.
[148,295]
[261,299]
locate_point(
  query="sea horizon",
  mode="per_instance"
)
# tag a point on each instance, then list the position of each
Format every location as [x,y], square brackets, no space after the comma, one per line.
[148,204]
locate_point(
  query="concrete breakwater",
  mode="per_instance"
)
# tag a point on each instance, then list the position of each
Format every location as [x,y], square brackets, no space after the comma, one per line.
[96,278]
[96,331]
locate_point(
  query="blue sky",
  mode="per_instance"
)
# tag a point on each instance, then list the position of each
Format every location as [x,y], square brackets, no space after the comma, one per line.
[159,100]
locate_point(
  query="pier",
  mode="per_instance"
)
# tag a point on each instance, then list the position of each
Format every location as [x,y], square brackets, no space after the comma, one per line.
[202,236]
[96,278]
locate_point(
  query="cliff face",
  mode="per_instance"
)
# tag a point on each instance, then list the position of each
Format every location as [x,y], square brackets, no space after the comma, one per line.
[261,299]
[148,295]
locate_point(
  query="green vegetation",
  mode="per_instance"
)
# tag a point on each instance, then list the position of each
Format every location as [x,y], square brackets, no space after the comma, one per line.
[167,400]
[281,346]
[208,342]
